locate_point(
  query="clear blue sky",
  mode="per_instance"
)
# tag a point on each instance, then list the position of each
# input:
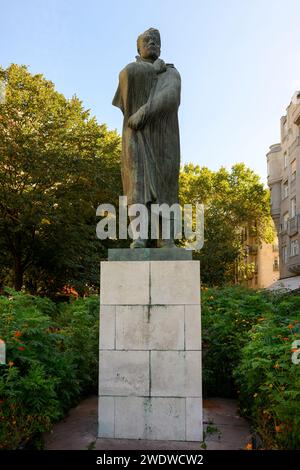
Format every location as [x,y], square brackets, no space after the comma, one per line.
[239,61]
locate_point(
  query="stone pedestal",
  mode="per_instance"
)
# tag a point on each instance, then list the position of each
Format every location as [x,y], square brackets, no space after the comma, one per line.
[150,350]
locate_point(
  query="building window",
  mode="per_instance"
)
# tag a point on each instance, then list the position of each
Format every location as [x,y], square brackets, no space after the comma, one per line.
[293,207]
[293,170]
[284,254]
[294,247]
[285,220]
[285,189]
[276,265]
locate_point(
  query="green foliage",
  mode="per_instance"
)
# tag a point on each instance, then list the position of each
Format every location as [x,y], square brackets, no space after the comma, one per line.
[28,406]
[57,164]
[80,325]
[247,340]
[269,382]
[52,361]
[227,316]
[233,200]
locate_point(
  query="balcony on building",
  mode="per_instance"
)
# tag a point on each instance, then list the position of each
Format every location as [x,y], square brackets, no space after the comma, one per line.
[294,267]
[293,225]
[296,110]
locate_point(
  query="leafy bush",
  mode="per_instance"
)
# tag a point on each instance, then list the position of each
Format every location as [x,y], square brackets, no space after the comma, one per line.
[80,326]
[269,382]
[29,404]
[227,316]
[52,355]
[247,340]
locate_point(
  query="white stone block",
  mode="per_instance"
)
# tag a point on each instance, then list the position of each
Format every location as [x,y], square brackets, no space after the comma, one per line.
[194,419]
[106,420]
[107,327]
[192,327]
[124,282]
[175,282]
[150,418]
[175,373]
[124,373]
[167,419]
[150,327]
[130,417]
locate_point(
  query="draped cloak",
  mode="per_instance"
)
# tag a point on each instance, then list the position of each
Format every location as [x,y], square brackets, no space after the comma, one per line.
[150,156]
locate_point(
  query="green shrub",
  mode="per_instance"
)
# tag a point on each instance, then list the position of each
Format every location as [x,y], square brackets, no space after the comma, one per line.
[268,380]
[227,316]
[52,355]
[28,407]
[80,327]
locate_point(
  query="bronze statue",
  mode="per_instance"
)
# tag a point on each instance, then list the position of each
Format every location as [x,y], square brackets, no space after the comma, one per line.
[149,96]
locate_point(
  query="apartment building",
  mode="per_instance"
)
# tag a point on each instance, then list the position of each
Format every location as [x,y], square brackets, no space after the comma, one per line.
[284,183]
[262,260]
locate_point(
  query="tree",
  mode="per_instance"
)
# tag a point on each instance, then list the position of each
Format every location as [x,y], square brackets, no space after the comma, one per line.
[57,164]
[233,200]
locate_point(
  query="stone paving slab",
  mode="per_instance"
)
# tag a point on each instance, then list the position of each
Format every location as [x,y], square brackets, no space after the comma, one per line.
[78,431]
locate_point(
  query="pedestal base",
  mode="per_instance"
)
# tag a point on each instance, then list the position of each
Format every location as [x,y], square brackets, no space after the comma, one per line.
[150,350]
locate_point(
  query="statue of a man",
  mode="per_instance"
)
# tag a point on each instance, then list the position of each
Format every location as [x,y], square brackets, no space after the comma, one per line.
[149,96]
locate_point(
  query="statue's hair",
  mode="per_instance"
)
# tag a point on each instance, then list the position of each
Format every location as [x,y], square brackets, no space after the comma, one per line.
[150,30]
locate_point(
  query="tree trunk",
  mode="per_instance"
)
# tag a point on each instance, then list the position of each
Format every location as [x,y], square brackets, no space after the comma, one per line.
[18,273]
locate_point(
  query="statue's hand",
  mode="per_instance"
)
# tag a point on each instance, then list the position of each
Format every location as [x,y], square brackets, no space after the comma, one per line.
[159,66]
[138,120]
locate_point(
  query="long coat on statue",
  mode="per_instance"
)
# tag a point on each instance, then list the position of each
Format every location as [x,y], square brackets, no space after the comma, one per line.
[150,155]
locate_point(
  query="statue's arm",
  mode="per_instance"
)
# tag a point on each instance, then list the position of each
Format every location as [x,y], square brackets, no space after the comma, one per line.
[121,96]
[165,101]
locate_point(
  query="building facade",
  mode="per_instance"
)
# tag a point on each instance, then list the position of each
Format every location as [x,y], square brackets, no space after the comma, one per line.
[262,261]
[284,183]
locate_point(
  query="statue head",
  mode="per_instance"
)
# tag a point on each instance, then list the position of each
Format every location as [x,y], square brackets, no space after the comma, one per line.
[148,44]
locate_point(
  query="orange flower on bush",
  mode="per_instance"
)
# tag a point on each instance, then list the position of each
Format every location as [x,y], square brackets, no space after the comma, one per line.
[278,428]
[21,348]
[249,446]
[276,366]
[10,364]
[17,334]
[290,326]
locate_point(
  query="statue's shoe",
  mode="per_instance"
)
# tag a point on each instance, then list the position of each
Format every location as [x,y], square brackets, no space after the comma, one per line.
[166,244]
[138,243]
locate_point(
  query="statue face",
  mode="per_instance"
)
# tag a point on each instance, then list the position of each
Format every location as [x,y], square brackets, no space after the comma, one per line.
[149,45]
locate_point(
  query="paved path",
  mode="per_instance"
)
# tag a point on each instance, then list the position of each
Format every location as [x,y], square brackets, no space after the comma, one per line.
[79,430]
